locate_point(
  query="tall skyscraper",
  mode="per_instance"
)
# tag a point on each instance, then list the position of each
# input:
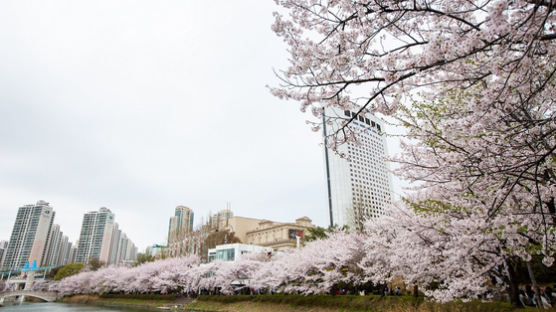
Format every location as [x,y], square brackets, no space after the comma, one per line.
[95,240]
[53,246]
[3,249]
[122,248]
[220,219]
[72,255]
[30,235]
[126,251]
[359,184]
[180,224]
[116,241]
[101,238]
[63,253]
[56,249]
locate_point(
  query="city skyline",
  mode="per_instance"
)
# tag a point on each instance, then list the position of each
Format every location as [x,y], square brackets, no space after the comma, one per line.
[35,239]
[150,121]
[260,155]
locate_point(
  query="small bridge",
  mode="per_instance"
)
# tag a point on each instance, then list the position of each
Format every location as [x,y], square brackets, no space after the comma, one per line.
[43,295]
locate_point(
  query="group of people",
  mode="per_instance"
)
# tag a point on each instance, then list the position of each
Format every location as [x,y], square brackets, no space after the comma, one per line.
[382,291]
[528,297]
[391,291]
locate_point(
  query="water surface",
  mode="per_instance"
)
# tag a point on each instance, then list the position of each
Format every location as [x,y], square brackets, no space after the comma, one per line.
[64,307]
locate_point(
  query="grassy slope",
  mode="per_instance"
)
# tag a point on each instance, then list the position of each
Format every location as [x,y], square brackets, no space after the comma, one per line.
[343,303]
[292,303]
[122,301]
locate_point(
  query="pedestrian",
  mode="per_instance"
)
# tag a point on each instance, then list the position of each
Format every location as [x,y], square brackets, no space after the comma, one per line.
[548,292]
[530,295]
[544,300]
[523,297]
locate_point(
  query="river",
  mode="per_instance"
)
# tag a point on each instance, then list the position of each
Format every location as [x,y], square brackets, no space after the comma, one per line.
[64,307]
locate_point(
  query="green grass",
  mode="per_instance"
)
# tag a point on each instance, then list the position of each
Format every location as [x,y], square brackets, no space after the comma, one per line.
[133,302]
[169,297]
[150,301]
[367,303]
[274,302]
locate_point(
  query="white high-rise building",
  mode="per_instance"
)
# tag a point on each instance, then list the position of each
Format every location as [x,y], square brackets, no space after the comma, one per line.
[30,235]
[359,184]
[95,240]
[3,249]
[116,239]
[53,246]
[57,250]
[126,251]
[72,254]
[63,254]
[101,238]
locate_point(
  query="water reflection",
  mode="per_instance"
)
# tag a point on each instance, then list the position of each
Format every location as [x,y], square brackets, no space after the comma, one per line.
[63,307]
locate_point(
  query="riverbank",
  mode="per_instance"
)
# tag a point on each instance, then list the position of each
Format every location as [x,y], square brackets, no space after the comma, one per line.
[127,301]
[317,303]
[291,303]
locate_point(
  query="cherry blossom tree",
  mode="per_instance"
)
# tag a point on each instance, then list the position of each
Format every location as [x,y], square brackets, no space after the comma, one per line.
[163,276]
[449,255]
[505,166]
[315,268]
[500,167]
[474,83]
[374,54]
[309,270]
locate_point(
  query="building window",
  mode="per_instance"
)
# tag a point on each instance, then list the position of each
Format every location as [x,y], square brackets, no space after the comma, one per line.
[226,254]
[347,113]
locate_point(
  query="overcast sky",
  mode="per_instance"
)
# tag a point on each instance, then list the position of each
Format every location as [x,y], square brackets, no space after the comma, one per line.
[140,106]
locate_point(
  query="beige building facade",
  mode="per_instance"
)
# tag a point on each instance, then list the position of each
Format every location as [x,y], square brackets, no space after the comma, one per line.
[270,234]
[279,235]
[240,226]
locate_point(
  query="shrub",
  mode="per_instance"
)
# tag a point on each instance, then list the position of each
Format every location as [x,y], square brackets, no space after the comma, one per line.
[68,270]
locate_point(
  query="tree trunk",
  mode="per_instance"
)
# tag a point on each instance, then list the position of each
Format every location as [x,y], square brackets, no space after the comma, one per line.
[415,291]
[538,302]
[552,209]
[513,291]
